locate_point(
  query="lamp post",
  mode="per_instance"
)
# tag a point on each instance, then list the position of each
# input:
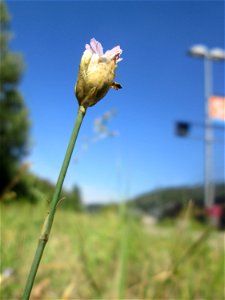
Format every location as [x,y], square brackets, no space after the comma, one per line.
[208,56]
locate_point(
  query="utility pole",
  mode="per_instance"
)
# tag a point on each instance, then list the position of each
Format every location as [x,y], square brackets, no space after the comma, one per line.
[208,56]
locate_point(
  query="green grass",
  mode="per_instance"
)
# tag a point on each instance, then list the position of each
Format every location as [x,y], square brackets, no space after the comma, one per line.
[110,256]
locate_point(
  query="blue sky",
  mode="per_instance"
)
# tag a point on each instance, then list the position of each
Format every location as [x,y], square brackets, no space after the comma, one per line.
[161,85]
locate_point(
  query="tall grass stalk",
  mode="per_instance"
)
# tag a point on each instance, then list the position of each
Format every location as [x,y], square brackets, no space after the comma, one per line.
[53,205]
[123,259]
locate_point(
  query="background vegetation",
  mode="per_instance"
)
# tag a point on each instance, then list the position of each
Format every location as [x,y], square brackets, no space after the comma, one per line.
[111,255]
[15,123]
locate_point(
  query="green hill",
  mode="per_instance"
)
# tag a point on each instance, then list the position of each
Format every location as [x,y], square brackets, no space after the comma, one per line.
[165,198]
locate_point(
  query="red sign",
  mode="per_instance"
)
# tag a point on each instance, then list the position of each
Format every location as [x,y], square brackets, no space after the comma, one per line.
[217,108]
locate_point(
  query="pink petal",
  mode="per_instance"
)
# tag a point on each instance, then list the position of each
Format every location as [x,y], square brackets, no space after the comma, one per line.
[99,49]
[114,53]
[96,47]
[88,47]
[118,60]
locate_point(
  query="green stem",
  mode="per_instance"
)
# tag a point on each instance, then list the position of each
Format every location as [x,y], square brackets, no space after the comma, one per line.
[123,250]
[53,205]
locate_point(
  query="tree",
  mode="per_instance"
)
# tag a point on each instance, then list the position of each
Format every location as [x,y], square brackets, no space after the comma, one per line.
[73,200]
[14,119]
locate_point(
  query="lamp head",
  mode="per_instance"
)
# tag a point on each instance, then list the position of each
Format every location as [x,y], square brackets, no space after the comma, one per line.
[198,51]
[217,54]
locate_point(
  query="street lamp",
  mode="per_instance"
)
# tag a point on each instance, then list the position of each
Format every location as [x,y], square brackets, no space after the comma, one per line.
[216,54]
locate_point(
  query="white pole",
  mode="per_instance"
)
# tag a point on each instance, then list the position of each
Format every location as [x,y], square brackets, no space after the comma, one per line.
[208,188]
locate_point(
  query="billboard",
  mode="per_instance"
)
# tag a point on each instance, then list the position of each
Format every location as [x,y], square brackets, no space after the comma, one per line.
[217,108]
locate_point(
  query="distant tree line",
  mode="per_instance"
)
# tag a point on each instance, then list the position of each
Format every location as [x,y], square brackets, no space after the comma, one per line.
[165,197]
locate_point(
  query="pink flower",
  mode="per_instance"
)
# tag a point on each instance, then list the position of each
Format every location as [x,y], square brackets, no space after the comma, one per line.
[96,73]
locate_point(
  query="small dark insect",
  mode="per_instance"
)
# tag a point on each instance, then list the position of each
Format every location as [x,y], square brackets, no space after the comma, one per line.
[116,86]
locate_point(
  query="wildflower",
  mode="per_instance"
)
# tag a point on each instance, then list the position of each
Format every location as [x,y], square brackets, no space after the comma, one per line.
[96,73]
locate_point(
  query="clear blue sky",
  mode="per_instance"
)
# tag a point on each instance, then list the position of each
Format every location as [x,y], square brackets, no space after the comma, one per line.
[161,84]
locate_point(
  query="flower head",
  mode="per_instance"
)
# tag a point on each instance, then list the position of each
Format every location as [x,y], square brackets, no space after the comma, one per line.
[96,73]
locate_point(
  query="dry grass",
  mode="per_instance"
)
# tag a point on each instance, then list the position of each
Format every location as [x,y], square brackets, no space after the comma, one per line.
[106,256]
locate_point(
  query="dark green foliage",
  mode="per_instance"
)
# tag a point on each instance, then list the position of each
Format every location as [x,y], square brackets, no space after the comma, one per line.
[72,199]
[161,199]
[33,189]
[11,67]
[14,126]
[4,15]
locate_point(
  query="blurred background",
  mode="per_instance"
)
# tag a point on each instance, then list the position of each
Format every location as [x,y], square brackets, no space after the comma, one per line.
[148,165]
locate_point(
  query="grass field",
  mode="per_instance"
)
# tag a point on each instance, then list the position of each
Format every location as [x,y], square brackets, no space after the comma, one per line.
[110,256]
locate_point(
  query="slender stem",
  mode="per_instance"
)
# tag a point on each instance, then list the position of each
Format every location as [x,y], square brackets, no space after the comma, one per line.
[53,205]
[123,259]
